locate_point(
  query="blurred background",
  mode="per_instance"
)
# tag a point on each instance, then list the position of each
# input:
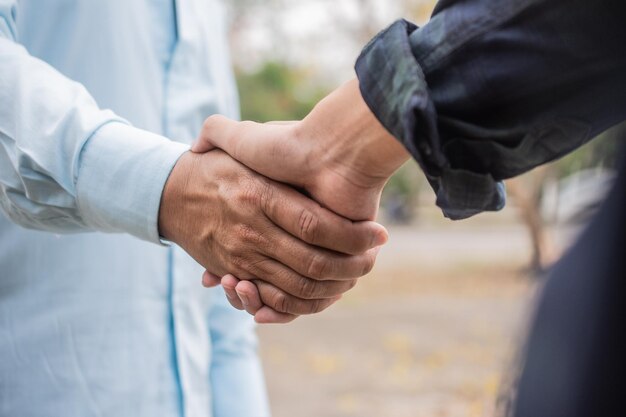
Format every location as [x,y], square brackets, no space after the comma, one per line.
[436,328]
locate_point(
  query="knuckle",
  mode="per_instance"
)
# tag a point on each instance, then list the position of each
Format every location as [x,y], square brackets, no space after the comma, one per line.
[258,193]
[250,193]
[245,266]
[318,267]
[308,224]
[237,261]
[280,302]
[211,121]
[368,264]
[266,197]
[257,268]
[248,235]
[315,306]
[230,246]
[248,124]
[239,265]
[309,289]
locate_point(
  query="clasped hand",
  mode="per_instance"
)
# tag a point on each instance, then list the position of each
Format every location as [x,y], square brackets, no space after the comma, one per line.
[278,253]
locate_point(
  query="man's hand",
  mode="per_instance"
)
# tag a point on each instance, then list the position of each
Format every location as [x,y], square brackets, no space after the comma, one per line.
[339,153]
[233,220]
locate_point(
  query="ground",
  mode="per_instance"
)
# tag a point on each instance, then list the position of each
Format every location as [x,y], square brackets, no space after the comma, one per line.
[432,331]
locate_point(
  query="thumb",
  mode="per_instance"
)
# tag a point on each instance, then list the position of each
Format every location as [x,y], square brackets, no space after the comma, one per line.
[267,148]
[214,134]
[202,145]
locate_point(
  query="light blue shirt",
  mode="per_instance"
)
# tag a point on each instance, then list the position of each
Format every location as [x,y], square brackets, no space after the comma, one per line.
[97,318]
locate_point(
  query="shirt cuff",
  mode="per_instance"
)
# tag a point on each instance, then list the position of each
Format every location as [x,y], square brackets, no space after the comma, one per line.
[395,88]
[121,176]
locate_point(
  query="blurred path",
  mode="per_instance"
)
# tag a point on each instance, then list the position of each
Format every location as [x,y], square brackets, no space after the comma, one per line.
[438,247]
[428,333]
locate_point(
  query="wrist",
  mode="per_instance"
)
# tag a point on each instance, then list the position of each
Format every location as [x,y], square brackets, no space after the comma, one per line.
[355,143]
[170,216]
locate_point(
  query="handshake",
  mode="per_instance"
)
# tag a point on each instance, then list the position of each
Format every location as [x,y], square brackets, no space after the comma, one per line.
[282,213]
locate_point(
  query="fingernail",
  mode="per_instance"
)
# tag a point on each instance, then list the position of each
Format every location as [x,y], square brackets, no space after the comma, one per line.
[381,239]
[244,298]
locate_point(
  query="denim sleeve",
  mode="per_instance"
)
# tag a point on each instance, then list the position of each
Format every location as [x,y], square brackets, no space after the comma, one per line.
[489,89]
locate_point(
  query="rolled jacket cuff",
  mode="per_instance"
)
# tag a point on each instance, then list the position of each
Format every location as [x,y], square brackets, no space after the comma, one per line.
[395,88]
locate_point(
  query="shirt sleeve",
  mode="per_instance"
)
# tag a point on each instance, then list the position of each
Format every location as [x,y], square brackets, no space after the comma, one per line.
[66,165]
[489,89]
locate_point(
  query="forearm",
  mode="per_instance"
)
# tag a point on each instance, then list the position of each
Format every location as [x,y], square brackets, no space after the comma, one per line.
[358,143]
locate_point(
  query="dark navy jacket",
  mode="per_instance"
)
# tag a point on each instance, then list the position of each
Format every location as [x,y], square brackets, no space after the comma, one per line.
[489,89]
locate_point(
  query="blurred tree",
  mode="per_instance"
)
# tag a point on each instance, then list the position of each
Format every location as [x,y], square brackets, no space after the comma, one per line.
[400,196]
[602,152]
[277,92]
[525,192]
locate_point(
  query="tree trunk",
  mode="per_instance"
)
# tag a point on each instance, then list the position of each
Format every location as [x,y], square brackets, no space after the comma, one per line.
[525,192]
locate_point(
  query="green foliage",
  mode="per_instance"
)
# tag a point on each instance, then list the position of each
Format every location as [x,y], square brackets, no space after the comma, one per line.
[601,152]
[406,181]
[277,92]
[400,196]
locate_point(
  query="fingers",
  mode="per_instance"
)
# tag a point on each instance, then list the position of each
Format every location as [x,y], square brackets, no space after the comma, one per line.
[281,302]
[229,283]
[268,316]
[268,303]
[210,280]
[245,295]
[249,294]
[294,284]
[258,146]
[311,261]
[213,134]
[320,264]
[311,223]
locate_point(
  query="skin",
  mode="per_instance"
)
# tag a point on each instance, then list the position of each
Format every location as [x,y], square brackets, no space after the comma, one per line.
[339,154]
[231,219]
